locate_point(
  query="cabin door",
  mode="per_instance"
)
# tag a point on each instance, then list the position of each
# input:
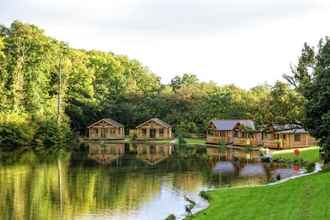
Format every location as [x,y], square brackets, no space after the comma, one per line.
[152,133]
[103,132]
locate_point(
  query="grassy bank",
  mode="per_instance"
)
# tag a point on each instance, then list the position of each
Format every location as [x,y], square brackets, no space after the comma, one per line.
[195,140]
[310,154]
[302,198]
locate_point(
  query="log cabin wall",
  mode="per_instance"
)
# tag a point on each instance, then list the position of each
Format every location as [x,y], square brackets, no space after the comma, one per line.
[153,130]
[103,130]
[235,137]
[288,140]
[297,140]
[214,136]
[106,132]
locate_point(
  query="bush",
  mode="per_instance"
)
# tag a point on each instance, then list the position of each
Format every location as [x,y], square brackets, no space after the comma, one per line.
[50,134]
[204,195]
[181,140]
[310,167]
[15,130]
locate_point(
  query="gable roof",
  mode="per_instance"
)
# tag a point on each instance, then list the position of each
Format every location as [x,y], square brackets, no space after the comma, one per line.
[293,131]
[278,127]
[228,125]
[285,129]
[109,121]
[156,120]
[289,128]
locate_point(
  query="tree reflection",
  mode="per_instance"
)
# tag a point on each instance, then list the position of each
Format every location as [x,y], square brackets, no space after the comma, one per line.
[54,185]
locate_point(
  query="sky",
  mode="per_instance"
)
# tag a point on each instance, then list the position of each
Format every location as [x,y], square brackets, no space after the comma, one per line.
[241,42]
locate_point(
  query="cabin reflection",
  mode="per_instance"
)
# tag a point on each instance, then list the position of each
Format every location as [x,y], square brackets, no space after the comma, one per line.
[153,154]
[249,170]
[225,167]
[232,154]
[106,153]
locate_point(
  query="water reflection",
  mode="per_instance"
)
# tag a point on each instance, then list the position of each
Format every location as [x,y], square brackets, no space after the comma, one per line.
[130,181]
[154,153]
[106,153]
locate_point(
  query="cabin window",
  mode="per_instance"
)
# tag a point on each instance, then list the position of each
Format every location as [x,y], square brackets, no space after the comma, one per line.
[297,137]
[144,132]
[161,132]
[235,134]
[103,132]
[112,131]
[96,131]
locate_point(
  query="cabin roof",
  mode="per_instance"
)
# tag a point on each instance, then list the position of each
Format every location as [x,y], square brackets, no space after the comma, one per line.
[108,120]
[228,125]
[158,121]
[288,129]
[293,131]
[284,127]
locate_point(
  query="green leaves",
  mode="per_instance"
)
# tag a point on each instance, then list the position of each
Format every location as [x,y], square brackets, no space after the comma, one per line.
[36,71]
[311,77]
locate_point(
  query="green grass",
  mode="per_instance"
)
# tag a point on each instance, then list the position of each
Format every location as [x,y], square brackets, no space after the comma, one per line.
[195,140]
[310,154]
[303,198]
[167,141]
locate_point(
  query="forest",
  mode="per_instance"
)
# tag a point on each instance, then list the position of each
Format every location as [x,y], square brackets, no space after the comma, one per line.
[50,92]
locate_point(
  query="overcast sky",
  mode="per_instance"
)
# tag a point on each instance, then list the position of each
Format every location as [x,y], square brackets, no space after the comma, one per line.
[245,42]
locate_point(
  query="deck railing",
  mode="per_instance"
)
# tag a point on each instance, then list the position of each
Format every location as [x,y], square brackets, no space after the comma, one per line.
[276,143]
[217,140]
[242,141]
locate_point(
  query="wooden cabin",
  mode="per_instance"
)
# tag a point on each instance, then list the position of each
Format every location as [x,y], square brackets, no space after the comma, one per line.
[106,129]
[236,132]
[287,136]
[154,129]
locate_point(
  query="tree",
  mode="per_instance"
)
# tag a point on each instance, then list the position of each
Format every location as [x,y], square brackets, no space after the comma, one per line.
[286,105]
[317,94]
[301,73]
[186,79]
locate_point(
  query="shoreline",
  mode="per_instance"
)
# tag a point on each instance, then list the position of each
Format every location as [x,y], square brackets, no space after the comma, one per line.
[318,168]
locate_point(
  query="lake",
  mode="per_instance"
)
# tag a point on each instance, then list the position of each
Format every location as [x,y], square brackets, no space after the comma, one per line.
[123,181]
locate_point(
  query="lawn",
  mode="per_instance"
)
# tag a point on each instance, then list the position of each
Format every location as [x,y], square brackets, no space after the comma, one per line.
[195,140]
[310,154]
[303,198]
[166,141]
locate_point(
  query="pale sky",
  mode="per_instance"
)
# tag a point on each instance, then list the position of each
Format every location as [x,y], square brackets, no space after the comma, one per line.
[244,42]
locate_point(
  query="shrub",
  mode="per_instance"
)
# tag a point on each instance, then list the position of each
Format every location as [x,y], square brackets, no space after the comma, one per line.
[15,130]
[181,140]
[310,167]
[204,195]
[50,134]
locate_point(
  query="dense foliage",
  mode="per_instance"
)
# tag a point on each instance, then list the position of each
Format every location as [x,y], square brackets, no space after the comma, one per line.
[312,78]
[49,91]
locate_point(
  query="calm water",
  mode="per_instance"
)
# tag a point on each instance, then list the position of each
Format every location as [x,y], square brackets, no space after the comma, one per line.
[118,181]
